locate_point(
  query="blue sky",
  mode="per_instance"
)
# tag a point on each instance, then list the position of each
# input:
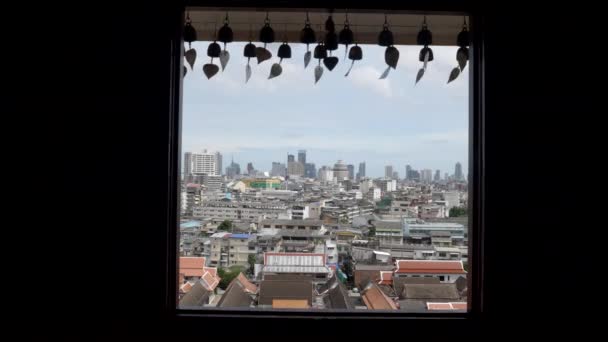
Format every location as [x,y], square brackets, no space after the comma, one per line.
[357,118]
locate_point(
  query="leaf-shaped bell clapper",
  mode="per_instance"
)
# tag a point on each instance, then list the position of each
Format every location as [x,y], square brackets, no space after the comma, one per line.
[284,52]
[190,57]
[391,56]
[320,53]
[385,38]
[214,50]
[346,37]
[462,56]
[355,54]
[454,74]
[210,70]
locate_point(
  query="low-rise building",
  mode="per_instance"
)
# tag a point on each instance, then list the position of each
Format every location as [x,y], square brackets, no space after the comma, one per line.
[445,271]
[229,249]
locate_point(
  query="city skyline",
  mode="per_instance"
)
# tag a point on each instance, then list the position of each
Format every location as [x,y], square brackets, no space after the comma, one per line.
[392,122]
[330,165]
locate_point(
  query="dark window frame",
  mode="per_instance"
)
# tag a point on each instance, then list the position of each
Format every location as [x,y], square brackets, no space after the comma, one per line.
[476,162]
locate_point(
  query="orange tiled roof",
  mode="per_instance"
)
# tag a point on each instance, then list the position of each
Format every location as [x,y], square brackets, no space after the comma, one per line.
[290,304]
[209,281]
[185,288]
[375,299]
[249,287]
[430,266]
[447,306]
[386,278]
[212,270]
[191,266]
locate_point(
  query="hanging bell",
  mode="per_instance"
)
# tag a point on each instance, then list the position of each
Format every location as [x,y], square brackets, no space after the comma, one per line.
[423,53]
[267,33]
[284,51]
[355,54]
[425,37]
[189,32]
[320,51]
[214,50]
[225,34]
[346,36]
[329,24]
[331,41]
[249,50]
[307,35]
[385,38]
[463,37]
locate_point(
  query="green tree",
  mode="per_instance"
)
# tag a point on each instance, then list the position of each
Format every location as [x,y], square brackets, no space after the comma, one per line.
[251,259]
[225,225]
[227,275]
[372,231]
[458,211]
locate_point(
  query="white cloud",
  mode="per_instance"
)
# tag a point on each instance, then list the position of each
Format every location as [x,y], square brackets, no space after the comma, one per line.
[366,77]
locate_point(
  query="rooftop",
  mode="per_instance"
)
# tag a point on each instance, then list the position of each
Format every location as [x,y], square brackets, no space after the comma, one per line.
[430,266]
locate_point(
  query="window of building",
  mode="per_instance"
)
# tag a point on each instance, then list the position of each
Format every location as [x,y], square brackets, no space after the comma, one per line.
[379,97]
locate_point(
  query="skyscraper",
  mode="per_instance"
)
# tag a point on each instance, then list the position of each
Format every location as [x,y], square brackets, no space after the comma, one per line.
[340,171]
[295,168]
[218,161]
[361,173]
[291,158]
[351,171]
[388,171]
[408,172]
[437,176]
[395,175]
[278,170]
[310,171]
[426,175]
[187,171]
[200,163]
[250,169]
[458,172]
[233,169]
[302,157]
